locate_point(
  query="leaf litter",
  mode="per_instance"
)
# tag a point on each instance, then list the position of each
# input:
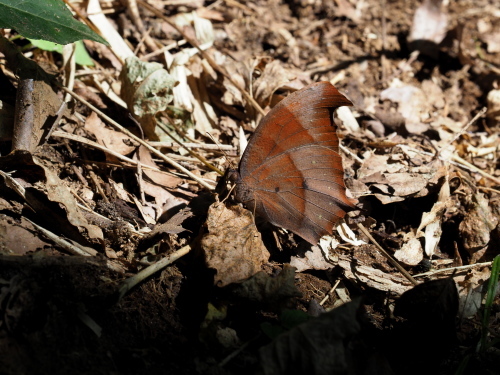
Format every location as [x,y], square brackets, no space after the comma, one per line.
[423,168]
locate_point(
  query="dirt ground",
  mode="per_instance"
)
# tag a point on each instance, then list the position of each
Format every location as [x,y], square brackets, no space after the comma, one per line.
[95,205]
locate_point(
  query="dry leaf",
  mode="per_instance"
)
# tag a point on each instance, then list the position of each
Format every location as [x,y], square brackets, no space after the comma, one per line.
[429,26]
[475,229]
[232,245]
[431,221]
[161,178]
[58,192]
[368,267]
[115,40]
[19,239]
[312,259]
[471,290]
[273,77]
[116,141]
[147,90]
[411,253]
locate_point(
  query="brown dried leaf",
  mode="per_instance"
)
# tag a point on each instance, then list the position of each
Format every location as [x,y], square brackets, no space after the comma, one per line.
[116,141]
[232,245]
[412,102]
[161,178]
[372,164]
[476,227]
[273,77]
[172,226]
[18,239]
[58,192]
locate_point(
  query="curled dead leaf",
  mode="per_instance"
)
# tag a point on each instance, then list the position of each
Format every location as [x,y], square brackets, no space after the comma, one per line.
[232,245]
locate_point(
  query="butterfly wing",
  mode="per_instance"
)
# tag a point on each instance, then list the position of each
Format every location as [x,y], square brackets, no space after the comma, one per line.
[291,172]
[302,118]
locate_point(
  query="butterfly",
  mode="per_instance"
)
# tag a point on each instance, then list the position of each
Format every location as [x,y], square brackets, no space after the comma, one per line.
[291,172]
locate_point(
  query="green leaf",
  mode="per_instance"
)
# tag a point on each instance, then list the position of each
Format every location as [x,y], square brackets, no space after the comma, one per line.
[44,19]
[81,55]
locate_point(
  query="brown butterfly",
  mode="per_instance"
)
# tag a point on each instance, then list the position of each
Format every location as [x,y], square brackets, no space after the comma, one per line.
[291,171]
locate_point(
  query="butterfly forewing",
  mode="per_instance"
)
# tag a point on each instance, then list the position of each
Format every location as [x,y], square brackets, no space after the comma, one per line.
[304,117]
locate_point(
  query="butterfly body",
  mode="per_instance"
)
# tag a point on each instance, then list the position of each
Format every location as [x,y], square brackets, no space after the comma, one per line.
[291,171]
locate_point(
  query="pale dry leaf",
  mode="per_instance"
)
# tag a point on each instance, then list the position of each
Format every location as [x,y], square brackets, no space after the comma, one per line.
[347,117]
[387,199]
[203,28]
[240,72]
[204,116]
[372,165]
[446,127]
[242,141]
[372,272]
[345,8]
[328,244]
[493,100]
[177,68]
[430,22]
[411,100]
[118,191]
[232,245]
[374,278]
[431,220]
[209,14]
[490,34]
[348,235]
[434,93]
[411,253]
[147,89]
[471,289]
[116,42]
[405,184]
[312,260]
[433,232]
[160,195]
[382,188]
